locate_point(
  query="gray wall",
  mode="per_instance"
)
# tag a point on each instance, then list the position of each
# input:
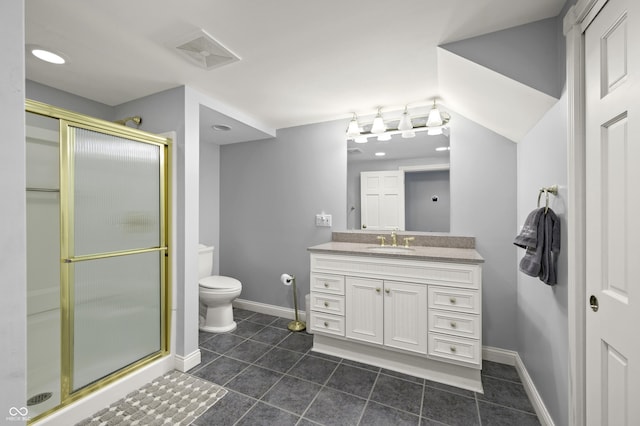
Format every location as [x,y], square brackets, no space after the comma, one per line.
[542,325]
[527,53]
[271,191]
[421,212]
[210,198]
[13,250]
[483,205]
[59,98]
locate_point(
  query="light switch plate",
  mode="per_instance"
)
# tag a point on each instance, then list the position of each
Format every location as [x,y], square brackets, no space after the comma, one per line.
[323,219]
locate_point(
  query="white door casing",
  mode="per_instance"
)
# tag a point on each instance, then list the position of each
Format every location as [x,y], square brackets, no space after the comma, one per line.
[612,107]
[382,200]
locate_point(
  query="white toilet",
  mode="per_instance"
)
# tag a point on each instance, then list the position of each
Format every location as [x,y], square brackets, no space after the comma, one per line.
[216,293]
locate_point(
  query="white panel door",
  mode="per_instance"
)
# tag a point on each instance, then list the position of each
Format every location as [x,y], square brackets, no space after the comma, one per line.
[382,200]
[405,316]
[612,56]
[364,310]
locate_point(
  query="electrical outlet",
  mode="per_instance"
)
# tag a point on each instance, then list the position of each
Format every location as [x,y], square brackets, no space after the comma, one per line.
[323,219]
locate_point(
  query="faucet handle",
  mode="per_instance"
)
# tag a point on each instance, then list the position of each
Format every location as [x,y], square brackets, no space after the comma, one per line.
[407,239]
[381,238]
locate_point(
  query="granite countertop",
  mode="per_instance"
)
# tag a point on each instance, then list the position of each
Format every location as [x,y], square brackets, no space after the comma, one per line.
[437,254]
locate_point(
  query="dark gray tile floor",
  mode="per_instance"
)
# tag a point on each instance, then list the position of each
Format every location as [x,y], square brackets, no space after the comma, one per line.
[273,378]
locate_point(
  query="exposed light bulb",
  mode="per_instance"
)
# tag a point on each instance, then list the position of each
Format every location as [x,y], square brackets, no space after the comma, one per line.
[384,137]
[361,139]
[408,134]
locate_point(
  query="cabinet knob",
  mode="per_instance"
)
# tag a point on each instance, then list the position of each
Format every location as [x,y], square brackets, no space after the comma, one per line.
[453,324]
[326,304]
[452,300]
[378,290]
[386,290]
[452,349]
[326,324]
[326,285]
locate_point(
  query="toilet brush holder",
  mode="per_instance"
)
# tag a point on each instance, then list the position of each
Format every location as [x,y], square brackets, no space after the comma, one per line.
[295,325]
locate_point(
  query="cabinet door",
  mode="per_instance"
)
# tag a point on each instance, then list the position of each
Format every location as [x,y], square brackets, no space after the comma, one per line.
[405,316]
[364,301]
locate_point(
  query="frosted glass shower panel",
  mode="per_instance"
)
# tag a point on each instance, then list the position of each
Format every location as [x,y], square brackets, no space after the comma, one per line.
[116,316]
[116,193]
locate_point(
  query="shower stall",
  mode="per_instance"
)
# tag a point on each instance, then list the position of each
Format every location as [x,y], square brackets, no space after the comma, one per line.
[97,254]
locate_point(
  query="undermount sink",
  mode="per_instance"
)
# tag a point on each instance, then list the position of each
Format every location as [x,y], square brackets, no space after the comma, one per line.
[390,249]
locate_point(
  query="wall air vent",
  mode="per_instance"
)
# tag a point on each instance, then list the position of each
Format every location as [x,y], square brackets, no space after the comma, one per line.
[203,50]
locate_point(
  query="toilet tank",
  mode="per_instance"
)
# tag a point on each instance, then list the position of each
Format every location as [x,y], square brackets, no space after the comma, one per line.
[205,260]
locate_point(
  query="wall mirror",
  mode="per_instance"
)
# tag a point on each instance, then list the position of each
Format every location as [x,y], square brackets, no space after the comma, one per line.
[422,161]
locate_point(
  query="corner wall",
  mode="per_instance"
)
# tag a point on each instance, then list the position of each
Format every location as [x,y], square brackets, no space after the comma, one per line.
[542,324]
[483,193]
[271,191]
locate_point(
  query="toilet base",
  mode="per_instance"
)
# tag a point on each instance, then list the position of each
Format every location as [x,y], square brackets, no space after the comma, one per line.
[217,319]
[212,329]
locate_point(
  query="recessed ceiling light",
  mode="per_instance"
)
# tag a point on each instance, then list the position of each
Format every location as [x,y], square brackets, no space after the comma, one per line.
[221,127]
[47,55]
[380,154]
[443,148]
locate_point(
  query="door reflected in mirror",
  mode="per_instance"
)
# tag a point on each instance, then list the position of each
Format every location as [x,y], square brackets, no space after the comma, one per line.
[406,189]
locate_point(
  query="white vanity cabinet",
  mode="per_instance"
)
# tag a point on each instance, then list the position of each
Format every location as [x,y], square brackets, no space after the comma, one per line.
[408,314]
[388,313]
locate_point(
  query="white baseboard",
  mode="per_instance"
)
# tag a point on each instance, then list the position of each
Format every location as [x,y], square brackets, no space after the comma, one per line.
[186,363]
[263,308]
[508,357]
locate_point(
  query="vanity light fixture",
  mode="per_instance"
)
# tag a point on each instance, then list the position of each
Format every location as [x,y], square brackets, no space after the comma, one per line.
[434,123]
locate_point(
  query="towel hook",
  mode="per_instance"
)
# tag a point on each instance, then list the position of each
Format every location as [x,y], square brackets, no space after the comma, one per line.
[552,189]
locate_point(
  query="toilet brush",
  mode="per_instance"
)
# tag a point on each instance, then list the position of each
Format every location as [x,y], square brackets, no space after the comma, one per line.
[295,325]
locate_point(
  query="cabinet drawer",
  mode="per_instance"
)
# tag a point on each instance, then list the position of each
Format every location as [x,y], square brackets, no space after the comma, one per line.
[327,303]
[327,283]
[455,349]
[464,325]
[458,300]
[326,323]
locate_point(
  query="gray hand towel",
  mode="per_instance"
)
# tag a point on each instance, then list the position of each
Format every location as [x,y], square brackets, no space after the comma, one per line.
[551,249]
[528,236]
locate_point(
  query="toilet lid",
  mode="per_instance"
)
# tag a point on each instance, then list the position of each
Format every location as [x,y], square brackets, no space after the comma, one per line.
[220,282]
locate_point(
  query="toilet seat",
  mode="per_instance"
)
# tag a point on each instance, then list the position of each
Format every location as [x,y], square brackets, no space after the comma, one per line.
[220,282]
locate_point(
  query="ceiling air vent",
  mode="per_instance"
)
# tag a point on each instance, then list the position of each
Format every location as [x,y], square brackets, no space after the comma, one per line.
[203,50]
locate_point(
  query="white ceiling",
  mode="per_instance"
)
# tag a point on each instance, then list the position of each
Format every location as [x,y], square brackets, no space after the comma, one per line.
[301,61]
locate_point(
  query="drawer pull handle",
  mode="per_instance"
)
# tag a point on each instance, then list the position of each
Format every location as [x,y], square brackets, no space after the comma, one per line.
[452,300]
[378,290]
[326,324]
[326,285]
[326,304]
[452,349]
[453,324]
